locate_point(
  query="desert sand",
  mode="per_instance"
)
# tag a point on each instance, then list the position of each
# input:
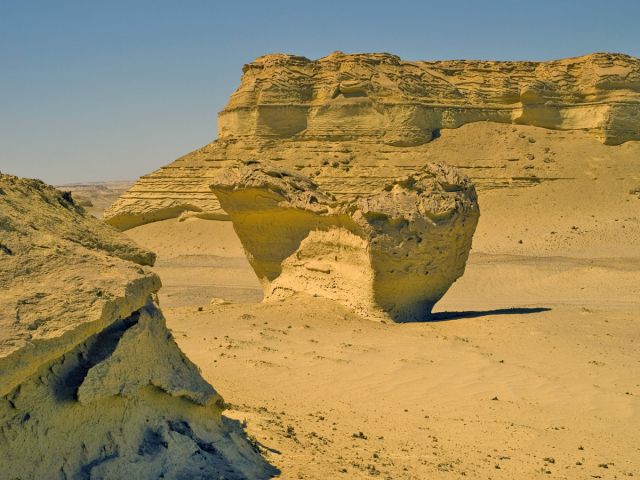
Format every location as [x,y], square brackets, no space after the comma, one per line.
[529,370]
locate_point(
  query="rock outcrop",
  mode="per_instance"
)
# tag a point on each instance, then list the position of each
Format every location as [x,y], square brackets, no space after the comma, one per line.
[392,254]
[92,384]
[355,122]
[403,103]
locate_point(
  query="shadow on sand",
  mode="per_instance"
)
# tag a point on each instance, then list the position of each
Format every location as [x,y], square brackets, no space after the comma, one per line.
[445,316]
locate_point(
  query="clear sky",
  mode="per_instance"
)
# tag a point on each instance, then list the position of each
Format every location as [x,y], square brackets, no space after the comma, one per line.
[108,90]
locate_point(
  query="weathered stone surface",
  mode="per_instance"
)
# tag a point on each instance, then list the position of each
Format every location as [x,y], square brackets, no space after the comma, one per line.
[401,102]
[392,254]
[92,384]
[356,122]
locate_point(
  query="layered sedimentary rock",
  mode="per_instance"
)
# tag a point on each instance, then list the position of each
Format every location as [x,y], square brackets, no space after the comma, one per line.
[392,254]
[355,122]
[92,384]
[403,103]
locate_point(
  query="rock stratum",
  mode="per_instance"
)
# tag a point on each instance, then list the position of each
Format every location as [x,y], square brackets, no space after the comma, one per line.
[392,254]
[403,103]
[355,122]
[92,384]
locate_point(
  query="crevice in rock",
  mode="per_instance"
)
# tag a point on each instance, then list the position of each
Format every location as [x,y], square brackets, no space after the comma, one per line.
[94,351]
[183,428]
[152,443]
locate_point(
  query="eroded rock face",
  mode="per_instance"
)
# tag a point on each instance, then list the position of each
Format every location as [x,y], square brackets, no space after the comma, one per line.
[391,254]
[92,384]
[382,96]
[356,122]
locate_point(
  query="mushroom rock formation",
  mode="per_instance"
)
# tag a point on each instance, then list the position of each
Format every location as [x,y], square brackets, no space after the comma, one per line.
[92,384]
[390,254]
[373,116]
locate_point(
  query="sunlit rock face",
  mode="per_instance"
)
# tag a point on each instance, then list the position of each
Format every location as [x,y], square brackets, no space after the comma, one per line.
[403,103]
[92,384]
[355,122]
[391,254]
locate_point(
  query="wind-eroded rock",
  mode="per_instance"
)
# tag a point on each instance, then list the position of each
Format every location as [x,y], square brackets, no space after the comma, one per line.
[92,384]
[403,103]
[393,253]
[354,122]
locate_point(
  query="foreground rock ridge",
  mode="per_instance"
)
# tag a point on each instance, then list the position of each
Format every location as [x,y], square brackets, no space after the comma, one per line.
[390,255]
[92,384]
[354,122]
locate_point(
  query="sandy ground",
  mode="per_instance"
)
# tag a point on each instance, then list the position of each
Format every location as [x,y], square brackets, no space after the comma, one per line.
[199,260]
[531,368]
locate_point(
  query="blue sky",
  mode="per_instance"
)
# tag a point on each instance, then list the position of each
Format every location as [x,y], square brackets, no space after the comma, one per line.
[114,89]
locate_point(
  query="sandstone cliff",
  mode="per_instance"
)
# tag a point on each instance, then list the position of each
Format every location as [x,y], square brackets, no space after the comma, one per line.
[92,384]
[355,122]
[403,103]
[391,255]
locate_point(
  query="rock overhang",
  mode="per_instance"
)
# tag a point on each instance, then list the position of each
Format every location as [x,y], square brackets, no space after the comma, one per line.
[391,254]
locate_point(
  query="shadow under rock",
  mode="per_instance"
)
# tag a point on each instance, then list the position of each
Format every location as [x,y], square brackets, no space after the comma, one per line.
[446,316]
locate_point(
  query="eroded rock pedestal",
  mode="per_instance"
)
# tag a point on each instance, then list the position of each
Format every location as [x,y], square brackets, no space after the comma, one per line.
[92,384]
[391,254]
